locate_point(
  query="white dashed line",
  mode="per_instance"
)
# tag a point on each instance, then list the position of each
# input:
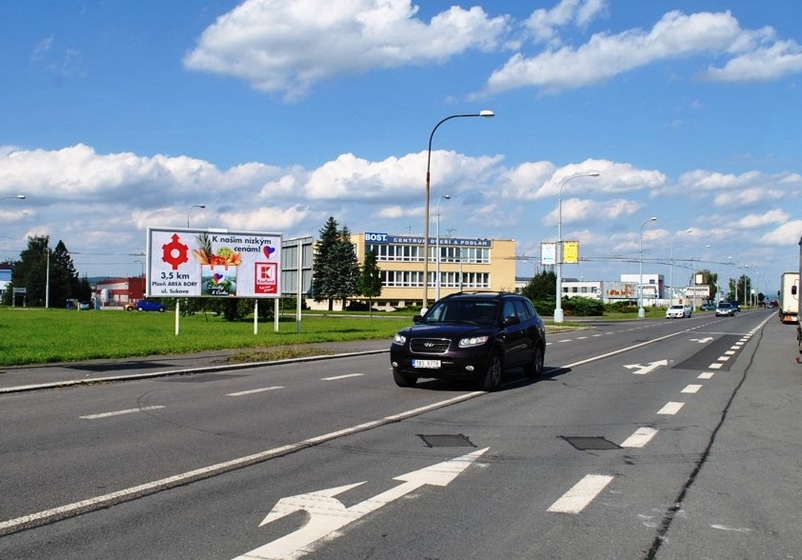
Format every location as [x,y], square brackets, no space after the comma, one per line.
[691,389]
[706,375]
[118,412]
[640,438]
[254,391]
[583,492]
[346,376]
[671,408]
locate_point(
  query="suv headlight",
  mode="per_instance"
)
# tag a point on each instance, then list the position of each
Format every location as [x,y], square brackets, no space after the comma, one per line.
[399,339]
[472,341]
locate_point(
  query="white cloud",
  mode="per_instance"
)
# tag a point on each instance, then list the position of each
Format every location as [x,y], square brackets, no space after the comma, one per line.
[762,65]
[538,180]
[788,233]
[587,211]
[542,22]
[675,35]
[287,46]
[771,217]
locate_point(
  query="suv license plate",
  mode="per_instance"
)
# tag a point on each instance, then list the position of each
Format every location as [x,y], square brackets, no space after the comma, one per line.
[426,364]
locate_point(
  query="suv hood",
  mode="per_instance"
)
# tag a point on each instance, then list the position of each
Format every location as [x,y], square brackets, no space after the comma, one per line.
[446,330]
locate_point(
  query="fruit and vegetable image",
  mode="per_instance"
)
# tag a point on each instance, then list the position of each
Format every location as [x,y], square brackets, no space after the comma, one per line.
[218,268]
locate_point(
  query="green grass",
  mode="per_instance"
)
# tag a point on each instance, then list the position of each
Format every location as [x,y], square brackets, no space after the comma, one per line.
[38,336]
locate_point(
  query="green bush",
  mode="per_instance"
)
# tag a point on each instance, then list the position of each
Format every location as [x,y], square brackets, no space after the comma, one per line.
[626,306]
[582,307]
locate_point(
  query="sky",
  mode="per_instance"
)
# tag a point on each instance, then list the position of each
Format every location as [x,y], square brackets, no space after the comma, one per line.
[278,114]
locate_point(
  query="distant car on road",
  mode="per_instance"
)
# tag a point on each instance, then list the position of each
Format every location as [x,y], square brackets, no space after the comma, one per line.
[678,312]
[725,309]
[145,305]
[708,307]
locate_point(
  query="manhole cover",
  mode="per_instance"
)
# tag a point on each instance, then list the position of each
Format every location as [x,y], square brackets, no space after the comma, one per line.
[587,443]
[446,440]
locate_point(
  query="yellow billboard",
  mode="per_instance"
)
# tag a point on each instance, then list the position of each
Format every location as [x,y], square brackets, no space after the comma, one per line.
[571,252]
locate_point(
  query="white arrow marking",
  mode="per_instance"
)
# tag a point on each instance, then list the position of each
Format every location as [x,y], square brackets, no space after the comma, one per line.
[704,340]
[648,368]
[327,514]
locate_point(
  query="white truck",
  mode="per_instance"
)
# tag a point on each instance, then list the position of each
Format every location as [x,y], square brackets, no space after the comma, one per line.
[789,298]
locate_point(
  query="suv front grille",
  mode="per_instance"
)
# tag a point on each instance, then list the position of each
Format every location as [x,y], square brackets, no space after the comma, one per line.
[429,345]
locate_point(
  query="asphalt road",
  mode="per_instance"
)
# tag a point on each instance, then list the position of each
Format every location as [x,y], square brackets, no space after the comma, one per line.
[647,439]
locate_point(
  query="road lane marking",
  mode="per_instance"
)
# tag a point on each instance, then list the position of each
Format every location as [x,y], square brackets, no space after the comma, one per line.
[715,366]
[706,375]
[640,438]
[583,492]
[346,376]
[119,412]
[692,388]
[671,408]
[106,500]
[254,391]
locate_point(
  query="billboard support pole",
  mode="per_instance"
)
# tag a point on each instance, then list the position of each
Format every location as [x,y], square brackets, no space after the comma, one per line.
[177,315]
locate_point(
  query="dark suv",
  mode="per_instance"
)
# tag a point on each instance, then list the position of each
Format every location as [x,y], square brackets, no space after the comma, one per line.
[470,336]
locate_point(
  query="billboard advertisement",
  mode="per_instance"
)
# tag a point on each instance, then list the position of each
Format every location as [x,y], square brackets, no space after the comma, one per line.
[548,254]
[183,262]
[570,252]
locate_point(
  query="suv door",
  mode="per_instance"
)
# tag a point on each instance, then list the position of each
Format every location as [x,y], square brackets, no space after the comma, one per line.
[514,334]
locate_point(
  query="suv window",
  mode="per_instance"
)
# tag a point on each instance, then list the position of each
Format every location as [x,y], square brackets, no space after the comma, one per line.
[464,310]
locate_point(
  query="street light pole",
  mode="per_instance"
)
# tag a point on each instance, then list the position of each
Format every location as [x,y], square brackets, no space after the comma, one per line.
[641,311]
[437,256]
[558,308]
[19,196]
[484,113]
[190,210]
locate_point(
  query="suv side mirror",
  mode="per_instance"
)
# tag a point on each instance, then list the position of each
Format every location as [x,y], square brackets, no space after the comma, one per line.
[511,321]
[416,318]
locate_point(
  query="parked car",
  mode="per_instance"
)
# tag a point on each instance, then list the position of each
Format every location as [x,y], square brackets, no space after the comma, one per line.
[678,312]
[708,307]
[472,336]
[725,309]
[145,305]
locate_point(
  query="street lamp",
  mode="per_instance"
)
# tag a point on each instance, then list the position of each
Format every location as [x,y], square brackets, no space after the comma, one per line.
[558,309]
[641,311]
[437,273]
[19,196]
[190,210]
[484,113]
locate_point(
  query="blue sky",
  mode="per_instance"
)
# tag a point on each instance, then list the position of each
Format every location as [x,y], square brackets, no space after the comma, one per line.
[276,114]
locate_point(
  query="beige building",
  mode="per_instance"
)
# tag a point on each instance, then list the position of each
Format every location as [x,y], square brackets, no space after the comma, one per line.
[465,264]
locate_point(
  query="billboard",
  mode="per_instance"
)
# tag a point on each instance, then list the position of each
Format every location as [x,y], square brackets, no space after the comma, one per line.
[183,262]
[570,252]
[548,254]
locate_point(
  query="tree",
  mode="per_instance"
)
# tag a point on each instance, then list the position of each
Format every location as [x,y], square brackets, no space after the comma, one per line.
[542,290]
[346,268]
[336,268]
[370,282]
[323,267]
[40,267]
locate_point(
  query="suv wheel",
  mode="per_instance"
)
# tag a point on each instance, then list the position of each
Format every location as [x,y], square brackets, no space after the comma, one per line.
[492,378]
[534,369]
[403,380]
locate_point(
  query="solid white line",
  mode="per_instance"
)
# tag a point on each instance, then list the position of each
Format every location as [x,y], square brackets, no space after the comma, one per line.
[706,375]
[640,438]
[671,408]
[346,376]
[583,492]
[253,391]
[118,412]
[691,389]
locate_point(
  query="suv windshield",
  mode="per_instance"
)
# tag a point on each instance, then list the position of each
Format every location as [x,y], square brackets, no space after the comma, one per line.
[463,311]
